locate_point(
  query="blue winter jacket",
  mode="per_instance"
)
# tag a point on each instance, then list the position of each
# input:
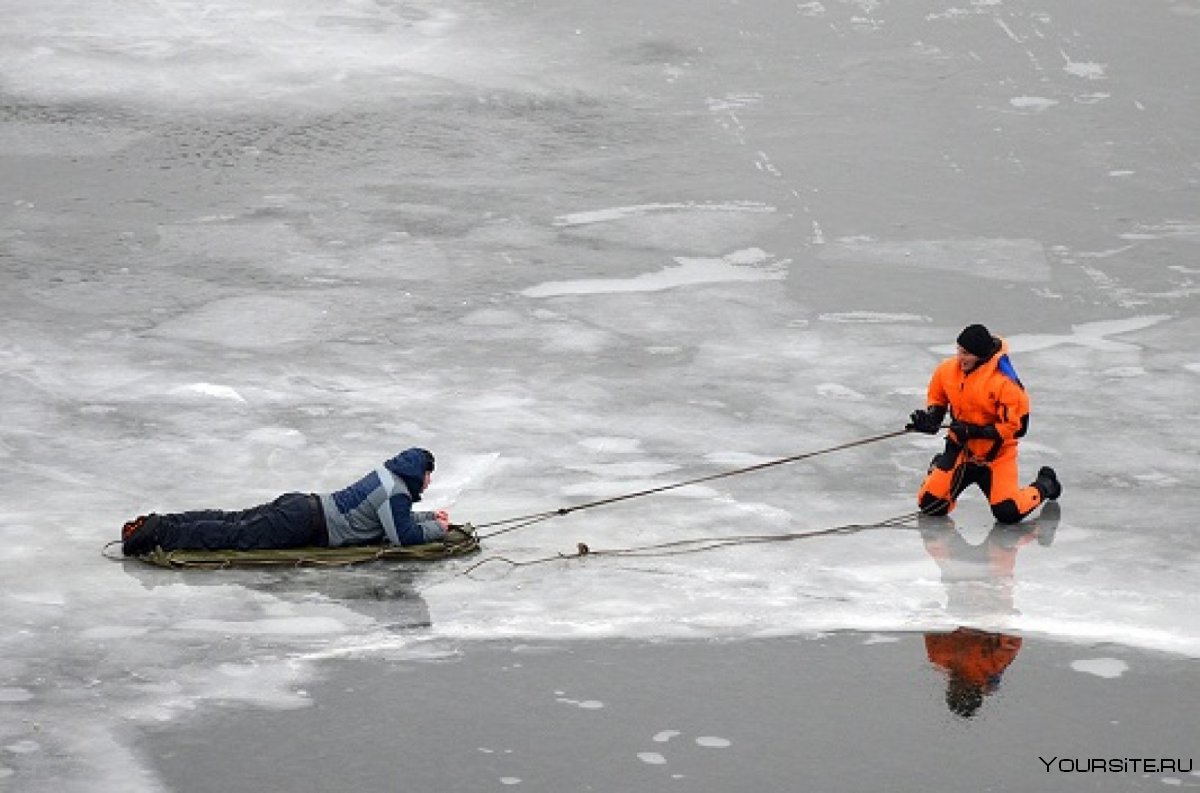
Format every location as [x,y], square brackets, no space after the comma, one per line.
[378,507]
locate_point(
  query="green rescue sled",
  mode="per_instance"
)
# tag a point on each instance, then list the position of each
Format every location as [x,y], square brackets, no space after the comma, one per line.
[460,541]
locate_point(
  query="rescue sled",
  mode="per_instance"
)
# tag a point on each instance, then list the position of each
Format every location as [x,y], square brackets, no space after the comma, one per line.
[461,541]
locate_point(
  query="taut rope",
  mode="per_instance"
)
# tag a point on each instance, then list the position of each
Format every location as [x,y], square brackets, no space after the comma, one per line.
[527,520]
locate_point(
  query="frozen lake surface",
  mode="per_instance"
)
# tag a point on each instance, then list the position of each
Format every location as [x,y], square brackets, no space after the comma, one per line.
[250,247]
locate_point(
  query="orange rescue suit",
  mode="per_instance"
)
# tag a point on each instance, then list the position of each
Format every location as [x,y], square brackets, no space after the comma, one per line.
[990,394]
[975,656]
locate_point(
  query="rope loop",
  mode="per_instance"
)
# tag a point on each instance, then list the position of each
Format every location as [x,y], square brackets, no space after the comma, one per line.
[696,545]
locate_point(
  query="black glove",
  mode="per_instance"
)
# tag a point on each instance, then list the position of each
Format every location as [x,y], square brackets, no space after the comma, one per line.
[962,431]
[928,421]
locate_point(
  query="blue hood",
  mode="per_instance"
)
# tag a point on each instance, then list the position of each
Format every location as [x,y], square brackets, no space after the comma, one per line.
[410,465]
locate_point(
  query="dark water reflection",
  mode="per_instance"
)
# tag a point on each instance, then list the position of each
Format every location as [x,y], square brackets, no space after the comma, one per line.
[980,581]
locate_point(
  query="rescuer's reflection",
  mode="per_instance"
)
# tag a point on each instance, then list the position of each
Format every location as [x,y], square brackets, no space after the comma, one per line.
[979,581]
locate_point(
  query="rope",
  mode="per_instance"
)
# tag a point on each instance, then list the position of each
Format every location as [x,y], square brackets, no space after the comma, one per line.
[104,551]
[537,517]
[680,547]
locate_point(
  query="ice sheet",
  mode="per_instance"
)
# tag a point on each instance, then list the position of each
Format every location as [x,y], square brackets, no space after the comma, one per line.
[253,247]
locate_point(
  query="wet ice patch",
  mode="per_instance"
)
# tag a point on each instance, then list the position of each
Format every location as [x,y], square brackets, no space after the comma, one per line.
[42,598]
[612,489]
[839,391]
[582,704]
[11,695]
[619,213]
[1000,259]
[1089,334]
[23,747]
[493,318]
[949,13]
[252,321]
[211,390]
[1156,479]
[879,638]
[103,633]
[741,266]
[1086,69]
[576,340]
[376,645]
[609,445]
[730,103]
[1123,372]
[1109,668]
[221,54]
[622,470]
[283,626]
[1170,229]
[665,736]
[457,475]
[281,437]
[34,139]
[872,318]
[1033,103]
[706,228]
[737,459]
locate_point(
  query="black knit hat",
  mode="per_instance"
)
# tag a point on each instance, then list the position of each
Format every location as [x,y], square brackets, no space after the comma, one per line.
[428,457]
[977,340]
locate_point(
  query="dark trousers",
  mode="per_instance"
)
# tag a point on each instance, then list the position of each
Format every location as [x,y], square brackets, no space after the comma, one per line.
[950,473]
[290,521]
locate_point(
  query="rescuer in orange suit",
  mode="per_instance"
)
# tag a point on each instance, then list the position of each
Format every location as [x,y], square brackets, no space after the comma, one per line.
[989,412]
